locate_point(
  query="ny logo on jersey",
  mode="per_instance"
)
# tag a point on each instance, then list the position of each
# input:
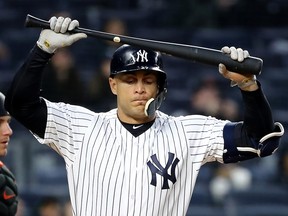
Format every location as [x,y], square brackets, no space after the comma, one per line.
[141,56]
[163,171]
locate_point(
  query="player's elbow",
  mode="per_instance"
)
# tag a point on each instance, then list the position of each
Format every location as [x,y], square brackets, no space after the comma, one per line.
[238,146]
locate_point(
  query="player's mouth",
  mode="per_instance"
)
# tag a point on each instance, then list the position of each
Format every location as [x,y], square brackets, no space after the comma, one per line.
[4,142]
[140,100]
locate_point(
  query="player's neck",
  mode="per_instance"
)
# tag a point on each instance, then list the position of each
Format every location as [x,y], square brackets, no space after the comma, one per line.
[137,129]
[133,119]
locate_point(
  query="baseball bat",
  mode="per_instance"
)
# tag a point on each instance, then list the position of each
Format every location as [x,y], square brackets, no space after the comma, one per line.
[252,65]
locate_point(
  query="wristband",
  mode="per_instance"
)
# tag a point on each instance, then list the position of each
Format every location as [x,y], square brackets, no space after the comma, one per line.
[244,83]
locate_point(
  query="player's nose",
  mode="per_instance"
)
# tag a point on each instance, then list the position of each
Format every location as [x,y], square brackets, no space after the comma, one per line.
[140,87]
[6,129]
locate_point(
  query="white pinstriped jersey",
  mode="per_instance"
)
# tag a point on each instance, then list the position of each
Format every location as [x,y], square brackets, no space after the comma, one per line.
[111,172]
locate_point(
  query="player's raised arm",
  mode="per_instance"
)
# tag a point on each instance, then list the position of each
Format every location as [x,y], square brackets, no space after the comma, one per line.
[23,98]
[258,135]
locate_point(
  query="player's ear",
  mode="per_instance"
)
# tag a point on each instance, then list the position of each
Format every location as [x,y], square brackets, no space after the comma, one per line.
[113,85]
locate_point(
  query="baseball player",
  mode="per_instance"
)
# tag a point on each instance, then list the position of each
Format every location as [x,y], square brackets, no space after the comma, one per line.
[135,159]
[8,187]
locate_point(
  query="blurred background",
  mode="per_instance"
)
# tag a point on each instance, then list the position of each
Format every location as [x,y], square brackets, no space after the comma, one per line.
[79,73]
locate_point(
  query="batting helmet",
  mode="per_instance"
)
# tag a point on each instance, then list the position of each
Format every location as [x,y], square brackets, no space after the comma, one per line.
[128,59]
[3,112]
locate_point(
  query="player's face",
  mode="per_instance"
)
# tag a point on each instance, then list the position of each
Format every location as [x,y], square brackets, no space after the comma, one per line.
[5,133]
[133,90]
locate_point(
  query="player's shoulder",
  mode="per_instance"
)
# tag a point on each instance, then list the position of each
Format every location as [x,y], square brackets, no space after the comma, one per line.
[68,109]
[171,119]
[106,116]
[165,116]
[186,119]
[110,114]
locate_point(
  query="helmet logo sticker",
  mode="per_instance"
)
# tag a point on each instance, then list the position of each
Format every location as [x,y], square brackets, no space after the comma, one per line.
[142,56]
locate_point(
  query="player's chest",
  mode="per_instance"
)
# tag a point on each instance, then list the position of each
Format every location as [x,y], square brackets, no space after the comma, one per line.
[143,159]
[135,150]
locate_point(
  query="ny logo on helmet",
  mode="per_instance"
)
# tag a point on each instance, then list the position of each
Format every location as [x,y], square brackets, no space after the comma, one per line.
[141,56]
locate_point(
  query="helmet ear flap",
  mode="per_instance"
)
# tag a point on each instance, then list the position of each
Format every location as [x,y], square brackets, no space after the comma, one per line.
[154,104]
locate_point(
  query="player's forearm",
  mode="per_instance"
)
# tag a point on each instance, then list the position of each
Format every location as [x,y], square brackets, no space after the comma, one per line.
[258,119]
[257,136]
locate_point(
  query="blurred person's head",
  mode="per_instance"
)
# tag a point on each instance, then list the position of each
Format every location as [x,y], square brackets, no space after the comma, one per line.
[4,52]
[49,206]
[63,60]
[115,26]
[68,208]
[5,129]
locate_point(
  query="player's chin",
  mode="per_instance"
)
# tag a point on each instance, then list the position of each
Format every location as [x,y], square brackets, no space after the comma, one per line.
[138,110]
[3,152]
[138,105]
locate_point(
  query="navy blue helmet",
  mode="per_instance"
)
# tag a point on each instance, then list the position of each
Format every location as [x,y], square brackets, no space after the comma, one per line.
[129,59]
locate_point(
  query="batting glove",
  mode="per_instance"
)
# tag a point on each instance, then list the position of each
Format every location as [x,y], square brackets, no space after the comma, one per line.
[58,35]
[240,80]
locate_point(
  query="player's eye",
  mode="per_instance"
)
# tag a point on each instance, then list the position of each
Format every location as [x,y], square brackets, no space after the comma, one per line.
[150,80]
[127,79]
[5,119]
[130,80]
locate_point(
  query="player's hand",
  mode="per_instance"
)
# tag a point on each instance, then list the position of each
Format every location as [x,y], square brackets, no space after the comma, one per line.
[243,81]
[8,192]
[58,36]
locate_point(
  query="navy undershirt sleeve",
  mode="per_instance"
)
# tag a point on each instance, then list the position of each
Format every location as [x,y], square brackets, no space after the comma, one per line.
[258,119]
[23,99]
[258,122]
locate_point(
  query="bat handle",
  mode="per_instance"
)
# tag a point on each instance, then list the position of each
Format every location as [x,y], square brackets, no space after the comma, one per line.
[32,21]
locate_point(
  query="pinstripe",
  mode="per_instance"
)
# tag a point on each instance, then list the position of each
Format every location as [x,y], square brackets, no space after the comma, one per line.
[148,193]
[90,184]
[85,156]
[100,157]
[107,200]
[122,182]
[114,191]
[160,144]
[107,167]
[121,192]
[129,172]
[72,190]
[102,183]
[164,139]
[169,150]
[179,137]
[140,176]
[137,167]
